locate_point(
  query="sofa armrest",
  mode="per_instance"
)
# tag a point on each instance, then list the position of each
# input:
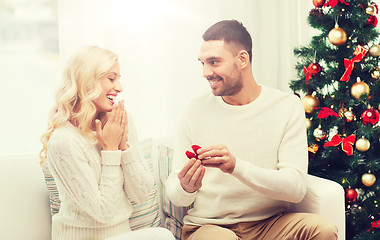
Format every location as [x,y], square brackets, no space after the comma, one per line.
[325,197]
[24,203]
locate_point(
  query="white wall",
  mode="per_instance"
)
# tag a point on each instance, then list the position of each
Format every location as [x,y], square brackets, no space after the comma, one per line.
[158,44]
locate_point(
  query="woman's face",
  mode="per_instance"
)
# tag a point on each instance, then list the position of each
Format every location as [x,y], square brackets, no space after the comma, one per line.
[111,86]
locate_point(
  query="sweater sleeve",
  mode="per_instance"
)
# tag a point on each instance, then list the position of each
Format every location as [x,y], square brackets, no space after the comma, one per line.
[138,180]
[69,165]
[287,182]
[176,194]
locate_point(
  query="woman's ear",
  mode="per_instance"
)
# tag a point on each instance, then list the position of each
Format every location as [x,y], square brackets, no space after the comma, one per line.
[243,59]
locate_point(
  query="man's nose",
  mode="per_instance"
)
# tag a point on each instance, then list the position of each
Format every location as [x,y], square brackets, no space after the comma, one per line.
[207,72]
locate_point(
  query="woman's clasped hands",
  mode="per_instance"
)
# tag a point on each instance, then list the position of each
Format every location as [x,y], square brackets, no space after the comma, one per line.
[113,135]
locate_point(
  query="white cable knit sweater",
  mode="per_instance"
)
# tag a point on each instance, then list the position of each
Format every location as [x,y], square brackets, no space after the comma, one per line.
[268,139]
[95,186]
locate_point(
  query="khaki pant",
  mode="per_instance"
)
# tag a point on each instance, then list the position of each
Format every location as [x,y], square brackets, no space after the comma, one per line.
[289,226]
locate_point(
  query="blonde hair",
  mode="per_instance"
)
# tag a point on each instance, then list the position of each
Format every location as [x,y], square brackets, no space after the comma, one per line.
[80,86]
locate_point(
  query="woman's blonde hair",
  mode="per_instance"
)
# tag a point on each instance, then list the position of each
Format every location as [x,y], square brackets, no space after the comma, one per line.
[80,86]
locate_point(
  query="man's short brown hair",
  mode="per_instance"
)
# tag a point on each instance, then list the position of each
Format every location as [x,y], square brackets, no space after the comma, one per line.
[231,32]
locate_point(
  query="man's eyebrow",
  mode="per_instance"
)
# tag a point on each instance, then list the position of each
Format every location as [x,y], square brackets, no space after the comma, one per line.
[210,58]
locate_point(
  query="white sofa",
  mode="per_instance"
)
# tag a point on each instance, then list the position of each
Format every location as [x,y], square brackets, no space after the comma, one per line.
[25,208]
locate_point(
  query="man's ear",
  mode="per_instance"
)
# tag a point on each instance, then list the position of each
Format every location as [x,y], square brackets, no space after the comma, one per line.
[243,59]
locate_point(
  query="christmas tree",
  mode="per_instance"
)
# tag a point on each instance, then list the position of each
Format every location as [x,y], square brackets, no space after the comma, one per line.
[339,84]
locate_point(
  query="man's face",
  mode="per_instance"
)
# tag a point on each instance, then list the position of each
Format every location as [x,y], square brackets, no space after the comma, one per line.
[220,68]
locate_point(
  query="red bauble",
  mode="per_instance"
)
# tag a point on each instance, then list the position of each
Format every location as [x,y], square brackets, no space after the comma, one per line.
[371,21]
[314,68]
[318,3]
[370,116]
[351,195]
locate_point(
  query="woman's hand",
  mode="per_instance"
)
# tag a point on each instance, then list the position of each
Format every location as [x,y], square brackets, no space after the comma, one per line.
[123,143]
[111,134]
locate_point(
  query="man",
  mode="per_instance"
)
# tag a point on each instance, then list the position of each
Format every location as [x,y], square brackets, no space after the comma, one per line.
[253,155]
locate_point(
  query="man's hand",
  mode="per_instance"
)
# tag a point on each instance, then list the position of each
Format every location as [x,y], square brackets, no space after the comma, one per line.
[217,157]
[191,175]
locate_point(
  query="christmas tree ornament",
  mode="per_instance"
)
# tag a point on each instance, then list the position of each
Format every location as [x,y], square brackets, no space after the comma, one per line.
[371,10]
[368,179]
[319,134]
[375,73]
[318,3]
[371,21]
[362,144]
[374,51]
[378,106]
[337,36]
[351,195]
[359,89]
[326,112]
[370,116]
[313,149]
[308,123]
[346,114]
[333,3]
[360,53]
[310,102]
[347,143]
[375,224]
[344,180]
[312,70]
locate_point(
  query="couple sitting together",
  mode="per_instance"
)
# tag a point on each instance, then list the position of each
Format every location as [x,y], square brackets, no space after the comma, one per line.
[251,163]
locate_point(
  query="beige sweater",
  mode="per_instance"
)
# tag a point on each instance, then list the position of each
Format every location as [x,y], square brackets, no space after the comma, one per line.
[95,186]
[268,138]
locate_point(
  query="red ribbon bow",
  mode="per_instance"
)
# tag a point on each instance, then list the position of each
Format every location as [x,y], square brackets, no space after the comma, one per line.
[375,224]
[326,112]
[360,53]
[308,75]
[346,143]
[333,3]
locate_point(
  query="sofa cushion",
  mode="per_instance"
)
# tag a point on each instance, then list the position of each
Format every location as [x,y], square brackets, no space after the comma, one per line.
[55,203]
[173,215]
[145,214]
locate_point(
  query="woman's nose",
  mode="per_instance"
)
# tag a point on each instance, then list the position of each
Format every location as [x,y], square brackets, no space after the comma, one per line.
[118,86]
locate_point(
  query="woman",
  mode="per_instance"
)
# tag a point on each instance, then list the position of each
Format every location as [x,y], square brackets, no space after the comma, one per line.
[92,153]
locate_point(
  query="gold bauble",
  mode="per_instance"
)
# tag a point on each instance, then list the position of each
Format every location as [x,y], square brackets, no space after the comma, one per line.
[359,89]
[368,179]
[375,73]
[308,123]
[370,10]
[337,36]
[362,144]
[309,103]
[374,51]
[378,107]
